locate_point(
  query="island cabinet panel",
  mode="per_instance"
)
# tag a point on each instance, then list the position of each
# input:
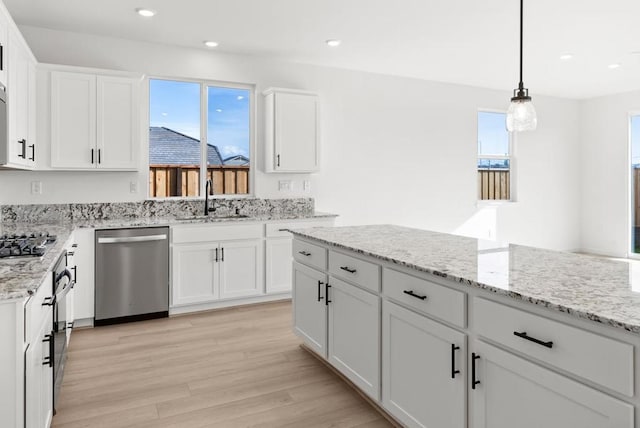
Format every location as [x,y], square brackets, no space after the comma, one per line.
[424,373]
[514,392]
[310,308]
[425,296]
[593,357]
[354,335]
[310,254]
[357,271]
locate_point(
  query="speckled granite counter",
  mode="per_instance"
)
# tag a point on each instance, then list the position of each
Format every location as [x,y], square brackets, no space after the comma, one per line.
[597,289]
[21,277]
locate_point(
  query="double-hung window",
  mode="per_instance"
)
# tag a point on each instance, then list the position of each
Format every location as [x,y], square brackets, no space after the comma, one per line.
[494,157]
[199,131]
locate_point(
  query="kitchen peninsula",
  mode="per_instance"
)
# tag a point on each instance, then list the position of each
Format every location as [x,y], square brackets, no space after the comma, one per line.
[455,331]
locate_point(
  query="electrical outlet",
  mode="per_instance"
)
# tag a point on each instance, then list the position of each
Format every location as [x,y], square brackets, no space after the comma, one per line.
[36,187]
[285,185]
[306,185]
[133,187]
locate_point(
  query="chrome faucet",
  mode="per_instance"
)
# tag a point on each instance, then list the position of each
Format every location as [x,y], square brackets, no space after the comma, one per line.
[208,186]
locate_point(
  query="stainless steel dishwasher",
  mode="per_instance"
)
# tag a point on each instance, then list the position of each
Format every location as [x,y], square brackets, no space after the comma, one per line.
[132,274]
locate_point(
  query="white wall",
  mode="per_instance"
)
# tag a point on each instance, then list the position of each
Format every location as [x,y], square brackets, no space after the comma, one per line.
[394,150]
[604,149]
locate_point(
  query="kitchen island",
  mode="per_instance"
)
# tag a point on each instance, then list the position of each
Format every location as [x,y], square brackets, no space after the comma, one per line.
[449,331]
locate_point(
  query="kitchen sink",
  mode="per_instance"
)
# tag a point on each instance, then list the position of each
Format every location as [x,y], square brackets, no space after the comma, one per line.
[211,217]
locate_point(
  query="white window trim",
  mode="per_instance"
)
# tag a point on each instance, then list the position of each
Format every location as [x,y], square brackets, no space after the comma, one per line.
[512,157]
[204,84]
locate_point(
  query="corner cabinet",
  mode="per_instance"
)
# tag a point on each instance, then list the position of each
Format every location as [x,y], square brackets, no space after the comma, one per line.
[292,131]
[94,121]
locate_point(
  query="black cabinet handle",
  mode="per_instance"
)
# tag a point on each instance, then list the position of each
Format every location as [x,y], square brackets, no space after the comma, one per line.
[454,372]
[48,361]
[70,325]
[278,160]
[326,294]
[92,152]
[216,255]
[348,269]
[75,274]
[222,254]
[304,253]
[33,152]
[320,283]
[99,155]
[474,382]
[74,245]
[412,294]
[23,155]
[49,301]
[1,57]
[524,335]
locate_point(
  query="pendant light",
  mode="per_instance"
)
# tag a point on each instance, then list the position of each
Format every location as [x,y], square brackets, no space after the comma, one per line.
[521,115]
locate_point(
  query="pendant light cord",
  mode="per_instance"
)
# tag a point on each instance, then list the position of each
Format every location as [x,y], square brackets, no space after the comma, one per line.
[521,37]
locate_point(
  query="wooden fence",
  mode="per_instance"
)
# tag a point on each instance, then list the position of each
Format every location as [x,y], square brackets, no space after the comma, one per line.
[184,180]
[494,184]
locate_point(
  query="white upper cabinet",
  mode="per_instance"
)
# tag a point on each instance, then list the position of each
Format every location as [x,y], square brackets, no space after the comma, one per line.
[292,139]
[94,121]
[4,33]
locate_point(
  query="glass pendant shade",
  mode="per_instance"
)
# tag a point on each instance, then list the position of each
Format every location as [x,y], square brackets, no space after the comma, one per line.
[521,116]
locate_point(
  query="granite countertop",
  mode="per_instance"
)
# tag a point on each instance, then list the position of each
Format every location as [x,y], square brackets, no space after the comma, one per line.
[593,288]
[21,277]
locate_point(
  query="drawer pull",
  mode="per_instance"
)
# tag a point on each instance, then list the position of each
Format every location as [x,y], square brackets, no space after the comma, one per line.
[49,301]
[523,335]
[454,372]
[304,253]
[348,269]
[319,292]
[474,382]
[48,361]
[412,294]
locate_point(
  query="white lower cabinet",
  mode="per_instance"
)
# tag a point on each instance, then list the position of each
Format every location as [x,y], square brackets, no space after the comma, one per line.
[195,271]
[423,370]
[310,308]
[84,290]
[39,376]
[240,271]
[278,265]
[512,391]
[354,335]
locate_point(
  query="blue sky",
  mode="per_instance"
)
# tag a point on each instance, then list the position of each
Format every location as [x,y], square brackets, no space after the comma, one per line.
[635,139]
[176,105]
[493,138]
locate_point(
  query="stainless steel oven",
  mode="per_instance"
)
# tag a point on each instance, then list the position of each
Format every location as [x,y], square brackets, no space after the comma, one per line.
[63,282]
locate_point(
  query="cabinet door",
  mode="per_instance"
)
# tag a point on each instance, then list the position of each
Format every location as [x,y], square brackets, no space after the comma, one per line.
[39,377]
[73,120]
[18,101]
[309,307]
[515,391]
[4,31]
[278,268]
[354,335]
[84,290]
[423,376]
[296,132]
[195,270]
[117,122]
[240,269]
[31,119]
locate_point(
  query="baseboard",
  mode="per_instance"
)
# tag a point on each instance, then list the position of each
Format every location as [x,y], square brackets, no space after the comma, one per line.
[200,307]
[368,399]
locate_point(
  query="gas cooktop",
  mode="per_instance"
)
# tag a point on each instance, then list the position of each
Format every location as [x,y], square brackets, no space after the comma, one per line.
[33,245]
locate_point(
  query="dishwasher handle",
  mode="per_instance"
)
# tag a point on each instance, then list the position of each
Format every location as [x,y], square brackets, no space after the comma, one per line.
[146,238]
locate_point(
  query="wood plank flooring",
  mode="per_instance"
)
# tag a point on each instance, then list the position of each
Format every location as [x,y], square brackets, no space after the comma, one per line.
[233,368]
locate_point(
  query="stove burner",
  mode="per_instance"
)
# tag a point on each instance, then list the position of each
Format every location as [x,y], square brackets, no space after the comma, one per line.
[33,245]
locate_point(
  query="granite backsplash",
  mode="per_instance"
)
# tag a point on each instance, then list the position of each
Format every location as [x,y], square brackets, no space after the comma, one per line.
[44,213]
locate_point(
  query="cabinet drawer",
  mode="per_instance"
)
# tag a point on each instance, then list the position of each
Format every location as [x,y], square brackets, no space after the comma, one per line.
[310,254]
[593,357]
[208,233]
[36,309]
[358,271]
[275,230]
[425,296]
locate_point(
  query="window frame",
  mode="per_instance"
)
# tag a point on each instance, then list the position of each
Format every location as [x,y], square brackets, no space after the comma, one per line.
[204,104]
[512,158]
[631,254]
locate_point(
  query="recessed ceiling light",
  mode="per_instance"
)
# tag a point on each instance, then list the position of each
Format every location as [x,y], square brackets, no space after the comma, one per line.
[566,56]
[210,44]
[333,42]
[613,66]
[147,13]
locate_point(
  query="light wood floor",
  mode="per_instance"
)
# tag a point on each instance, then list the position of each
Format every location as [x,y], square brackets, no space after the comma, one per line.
[241,367]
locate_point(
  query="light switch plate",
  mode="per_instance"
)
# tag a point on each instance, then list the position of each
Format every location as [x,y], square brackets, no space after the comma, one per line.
[133,187]
[306,185]
[36,187]
[285,185]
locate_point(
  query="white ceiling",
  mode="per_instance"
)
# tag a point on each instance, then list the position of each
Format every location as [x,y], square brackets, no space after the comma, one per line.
[461,41]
